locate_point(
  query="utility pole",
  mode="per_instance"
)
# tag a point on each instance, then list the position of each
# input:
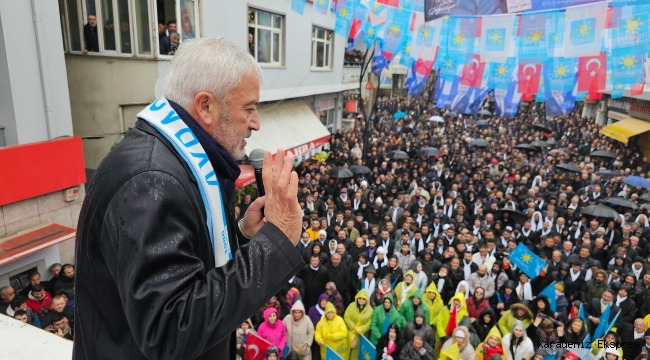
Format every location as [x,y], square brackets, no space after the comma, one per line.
[368,129]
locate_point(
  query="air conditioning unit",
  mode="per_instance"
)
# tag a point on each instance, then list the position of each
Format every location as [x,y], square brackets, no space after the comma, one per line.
[602,106]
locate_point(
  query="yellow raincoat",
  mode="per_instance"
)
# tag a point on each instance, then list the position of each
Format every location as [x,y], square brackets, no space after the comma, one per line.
[403,291]
[334,333]
[445,314]
[358,322]
[435,306]
[493,332]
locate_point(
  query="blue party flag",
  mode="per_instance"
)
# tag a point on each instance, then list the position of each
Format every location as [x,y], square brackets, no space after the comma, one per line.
[550,357]
[379,62]
[298,6]
[321,6]
[603,325]
[527,261]
[581,314]
[500,75]
[586,343]
[532,39]
[331,355]
[611,324]
[627,65]
[549,292]
[561,74]
[366,350]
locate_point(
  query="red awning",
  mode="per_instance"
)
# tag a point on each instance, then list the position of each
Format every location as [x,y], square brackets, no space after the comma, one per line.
[246,177]
[32,241]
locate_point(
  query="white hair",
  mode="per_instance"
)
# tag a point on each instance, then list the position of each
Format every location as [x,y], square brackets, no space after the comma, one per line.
[214,65]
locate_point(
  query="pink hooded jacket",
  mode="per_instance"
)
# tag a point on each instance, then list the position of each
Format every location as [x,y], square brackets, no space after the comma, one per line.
[276,334]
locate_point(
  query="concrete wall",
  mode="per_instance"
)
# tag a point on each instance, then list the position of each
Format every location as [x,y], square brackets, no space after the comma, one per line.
[22,215]
[24,94]
[99,87]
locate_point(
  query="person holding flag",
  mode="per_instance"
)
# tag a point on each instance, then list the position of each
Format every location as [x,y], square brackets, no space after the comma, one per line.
[357,318]
[451,317]
[332,332]
[459,338]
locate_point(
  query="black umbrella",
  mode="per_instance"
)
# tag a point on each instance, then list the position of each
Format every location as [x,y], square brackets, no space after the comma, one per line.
[609,174]
[428,152]
[480,143]
[645,205]
[340,172]
[519,218]
[621,202]
[539,143]
[452,114]
[398,155]
[568,167]
[600,211]
[360,169]
[526,147]
[551,143]
[603,154]
[485,112]
[482,122]
[645,197]
[542,127]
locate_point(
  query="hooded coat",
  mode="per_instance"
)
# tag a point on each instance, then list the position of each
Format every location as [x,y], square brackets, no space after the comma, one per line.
[379,319]
[434,306]
[301,331]
[276,333]
[332,333]
[509,319]
[408,309]
[357,321]
[425,331]
[482,353]
[466,350]
[377,297]
[316,313]
[520,351]
[445,315]
[403,290]
[481,327]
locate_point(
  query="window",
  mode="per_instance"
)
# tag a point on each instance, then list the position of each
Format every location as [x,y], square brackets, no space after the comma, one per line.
[327,118]
[125,27]
[321,48]
[21,280]
[265,36]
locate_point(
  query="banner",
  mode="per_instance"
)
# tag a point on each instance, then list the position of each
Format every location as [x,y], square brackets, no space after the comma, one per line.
[255,347]
[526,260]
[519,5]
[397,24]
[529,75]
[457,95]
[461,36]
[506,105]
[627,65]
[533,42]
[472,72]
[584,30]
[366,349]
[630,25]
[500,74]
[561,74]
[592,73]
[438,8]
[555,24]
[497,37]
[559,102]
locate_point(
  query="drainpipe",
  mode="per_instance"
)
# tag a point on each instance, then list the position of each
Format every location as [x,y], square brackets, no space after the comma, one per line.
[42,70]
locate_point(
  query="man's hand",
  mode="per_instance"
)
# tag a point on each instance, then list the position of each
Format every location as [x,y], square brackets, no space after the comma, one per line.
[281,206]
[253,218]
[84,52]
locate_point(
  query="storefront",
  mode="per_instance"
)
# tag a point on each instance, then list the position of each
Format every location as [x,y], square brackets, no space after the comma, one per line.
[629,122]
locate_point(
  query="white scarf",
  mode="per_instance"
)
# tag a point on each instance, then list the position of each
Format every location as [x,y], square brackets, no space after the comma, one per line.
[467,268]
[405,291]
[163,118]
[384,263]
[619,300]
[637,273]
[527,291]
[360,271]
[320,311]
[369,286]
[574,277]
[448,210]
[536,225]
[441,284]
[314,268]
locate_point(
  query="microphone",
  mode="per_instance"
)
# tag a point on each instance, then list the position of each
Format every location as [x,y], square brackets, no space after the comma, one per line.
[256,158]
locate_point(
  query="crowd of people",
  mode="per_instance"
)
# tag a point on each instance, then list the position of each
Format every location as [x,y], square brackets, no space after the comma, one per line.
[48,305]
[414,255]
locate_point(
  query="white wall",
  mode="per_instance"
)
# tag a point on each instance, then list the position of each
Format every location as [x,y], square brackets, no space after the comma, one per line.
[21,92]
[229,19]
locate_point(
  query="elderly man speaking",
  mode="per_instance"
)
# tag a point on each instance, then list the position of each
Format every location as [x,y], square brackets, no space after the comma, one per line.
[163,269]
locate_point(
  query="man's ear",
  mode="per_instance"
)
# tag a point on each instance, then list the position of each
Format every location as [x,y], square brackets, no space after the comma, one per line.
[205,105]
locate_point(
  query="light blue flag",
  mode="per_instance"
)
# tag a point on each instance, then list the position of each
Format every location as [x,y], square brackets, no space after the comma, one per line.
[611,324]
[527,261]
[604,323]
[461,36]
[630,25]
[366,349]
[331,355]
[561,74]
[549,292]
[555,23]
[627,65]
[344,13]
[298,6]
[500,74]
[550,357]
[372,32]
[379,62]
[532,37]
[321,6]
[587,342]
[397,25]
[405,50]
[581,314]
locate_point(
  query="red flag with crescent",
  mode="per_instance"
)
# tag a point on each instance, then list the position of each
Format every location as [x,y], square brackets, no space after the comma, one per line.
[473,71]
[592,73]
[529,75]
[255,347]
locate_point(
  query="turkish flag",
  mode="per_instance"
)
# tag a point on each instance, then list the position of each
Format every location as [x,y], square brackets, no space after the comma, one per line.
[637,89]
[423,67]
[473,71]
[255,347]
[393,3]
[592,72]
[529,75]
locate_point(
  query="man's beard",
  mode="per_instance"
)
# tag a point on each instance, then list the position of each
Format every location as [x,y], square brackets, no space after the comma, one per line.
[228,138]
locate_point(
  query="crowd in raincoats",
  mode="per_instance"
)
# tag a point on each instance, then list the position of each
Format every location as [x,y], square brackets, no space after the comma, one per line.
[413,251]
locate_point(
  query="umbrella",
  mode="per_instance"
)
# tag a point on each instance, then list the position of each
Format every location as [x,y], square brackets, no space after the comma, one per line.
[609,174]
[437,119]
[551,143]
[637,181]
[539,143]
[600,211]
[397,155]
[542,127]
[519,218]
[568,167]
[603,154]
[485,112]
[398,115]
[621,202]
[645,205]
[428,152]
[482,123]
[526,147]
[452,114]
[360,169]
[480,143]
[340,172]
[645,197]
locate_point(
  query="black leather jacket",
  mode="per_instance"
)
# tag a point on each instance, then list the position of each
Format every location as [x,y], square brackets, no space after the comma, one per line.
[146,282]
